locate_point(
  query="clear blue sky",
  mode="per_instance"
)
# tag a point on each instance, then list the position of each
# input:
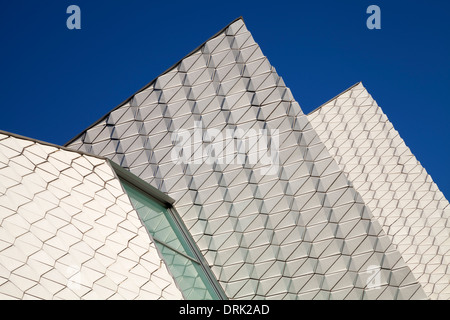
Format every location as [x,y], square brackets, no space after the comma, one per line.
[55,82]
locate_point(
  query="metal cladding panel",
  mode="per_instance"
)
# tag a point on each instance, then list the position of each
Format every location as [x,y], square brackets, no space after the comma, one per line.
[68,230]
[296,230]
[401,195]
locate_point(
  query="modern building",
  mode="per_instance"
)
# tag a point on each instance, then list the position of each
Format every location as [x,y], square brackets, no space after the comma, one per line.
[211,183]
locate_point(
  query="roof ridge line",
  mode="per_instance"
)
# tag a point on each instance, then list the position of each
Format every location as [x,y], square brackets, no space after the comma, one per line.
[335,97]
[116,168]
[153,81]
[18,136]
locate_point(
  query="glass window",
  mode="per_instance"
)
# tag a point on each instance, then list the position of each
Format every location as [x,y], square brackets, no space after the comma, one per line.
[177,249]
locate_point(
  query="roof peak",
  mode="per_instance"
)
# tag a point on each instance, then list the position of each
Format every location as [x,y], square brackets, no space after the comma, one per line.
[337,96]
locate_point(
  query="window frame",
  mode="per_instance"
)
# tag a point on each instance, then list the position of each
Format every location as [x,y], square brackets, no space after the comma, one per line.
[167,202]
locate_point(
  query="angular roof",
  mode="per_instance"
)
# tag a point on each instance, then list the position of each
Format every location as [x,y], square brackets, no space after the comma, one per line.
[299,231]
[69,231]
[154,80]
[398,190]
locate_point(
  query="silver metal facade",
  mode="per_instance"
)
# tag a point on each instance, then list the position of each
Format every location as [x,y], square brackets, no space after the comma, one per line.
[399,192]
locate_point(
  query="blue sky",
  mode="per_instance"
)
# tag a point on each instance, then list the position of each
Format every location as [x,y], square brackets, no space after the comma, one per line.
[55,82]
